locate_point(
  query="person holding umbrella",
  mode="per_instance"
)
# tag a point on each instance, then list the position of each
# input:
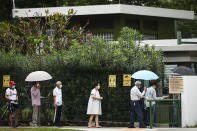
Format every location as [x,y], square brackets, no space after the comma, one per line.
[35,93]
[94,106]
[36,103]
[135,96]
[57,102]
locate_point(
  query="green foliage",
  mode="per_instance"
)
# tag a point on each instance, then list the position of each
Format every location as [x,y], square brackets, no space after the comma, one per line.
[79,67]
[38,36]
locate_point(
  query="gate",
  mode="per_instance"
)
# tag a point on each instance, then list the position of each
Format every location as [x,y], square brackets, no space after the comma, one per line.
[167,111]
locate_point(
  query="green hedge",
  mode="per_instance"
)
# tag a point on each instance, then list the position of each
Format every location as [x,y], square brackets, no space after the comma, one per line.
[79,67]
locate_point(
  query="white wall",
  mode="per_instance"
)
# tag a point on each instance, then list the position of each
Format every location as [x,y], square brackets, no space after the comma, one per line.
[189,101]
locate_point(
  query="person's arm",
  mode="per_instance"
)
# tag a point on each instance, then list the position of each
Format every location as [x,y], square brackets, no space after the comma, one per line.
[16,97]
[141,95]
[93,95]
[155,96]
[144,91]
[54,100]
[6,95]
[98,98]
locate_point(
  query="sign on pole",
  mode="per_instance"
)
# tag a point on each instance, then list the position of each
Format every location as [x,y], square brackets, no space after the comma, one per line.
[6,80]
[127,80]
[175,84]
[112,80]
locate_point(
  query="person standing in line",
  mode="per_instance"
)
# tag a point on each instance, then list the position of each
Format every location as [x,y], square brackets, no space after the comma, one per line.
[151,95]
[94,106]
[57,102]
[135,96]
[12,96]
[36,103]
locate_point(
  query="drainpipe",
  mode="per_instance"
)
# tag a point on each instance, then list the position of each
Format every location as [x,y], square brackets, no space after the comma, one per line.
[13,3]
[179,37]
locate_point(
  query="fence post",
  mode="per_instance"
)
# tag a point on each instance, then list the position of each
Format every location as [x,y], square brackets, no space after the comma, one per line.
[179,113]
[151,126]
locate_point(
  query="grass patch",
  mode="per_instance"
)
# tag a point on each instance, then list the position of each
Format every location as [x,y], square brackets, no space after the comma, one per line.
[34,129]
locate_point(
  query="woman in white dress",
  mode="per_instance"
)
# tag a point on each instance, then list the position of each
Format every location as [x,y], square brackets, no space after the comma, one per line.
[94,106]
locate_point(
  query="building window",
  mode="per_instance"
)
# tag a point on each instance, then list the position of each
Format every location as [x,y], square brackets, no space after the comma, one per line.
[106,36]
[150,25]
[150,37]
[135,24]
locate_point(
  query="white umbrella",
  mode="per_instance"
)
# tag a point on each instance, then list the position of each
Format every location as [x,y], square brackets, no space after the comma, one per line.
[38,76]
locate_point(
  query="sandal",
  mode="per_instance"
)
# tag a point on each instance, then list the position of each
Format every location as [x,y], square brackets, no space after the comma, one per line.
[90,126]
[98,126]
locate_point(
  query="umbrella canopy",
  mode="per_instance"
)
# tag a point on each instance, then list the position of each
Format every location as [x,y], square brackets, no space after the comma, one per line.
[38,76]
[145,75]
[183,70]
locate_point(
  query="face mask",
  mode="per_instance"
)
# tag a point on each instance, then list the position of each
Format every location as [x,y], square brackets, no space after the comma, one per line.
[60,86]
[13,86]
[99,87]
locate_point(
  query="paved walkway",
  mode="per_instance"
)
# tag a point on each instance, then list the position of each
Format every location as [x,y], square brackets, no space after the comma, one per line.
[127,129]
[115,128]
[106,129]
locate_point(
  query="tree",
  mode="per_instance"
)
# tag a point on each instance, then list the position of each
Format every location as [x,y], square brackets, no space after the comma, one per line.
[37,35]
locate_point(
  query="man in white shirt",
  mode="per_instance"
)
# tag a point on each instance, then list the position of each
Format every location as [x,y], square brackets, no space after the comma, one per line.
[135,96]
[57,102]
[12,96]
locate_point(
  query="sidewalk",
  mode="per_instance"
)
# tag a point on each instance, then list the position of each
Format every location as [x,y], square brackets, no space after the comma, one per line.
[129,129]
[107,129]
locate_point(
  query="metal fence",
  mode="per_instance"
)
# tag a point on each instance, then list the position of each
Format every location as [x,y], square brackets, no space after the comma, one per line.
[167,111]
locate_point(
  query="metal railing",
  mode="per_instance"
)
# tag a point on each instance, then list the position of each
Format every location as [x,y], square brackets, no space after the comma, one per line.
[172,107]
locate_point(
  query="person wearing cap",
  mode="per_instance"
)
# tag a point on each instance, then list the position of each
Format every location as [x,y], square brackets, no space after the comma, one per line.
[12,96]
[36,103]
[57,102]
[135,96]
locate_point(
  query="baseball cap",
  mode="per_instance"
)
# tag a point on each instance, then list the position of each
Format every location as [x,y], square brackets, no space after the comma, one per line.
[12,83]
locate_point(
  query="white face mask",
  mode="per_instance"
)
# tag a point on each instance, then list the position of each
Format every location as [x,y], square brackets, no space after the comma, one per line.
[99,87]
[60,86]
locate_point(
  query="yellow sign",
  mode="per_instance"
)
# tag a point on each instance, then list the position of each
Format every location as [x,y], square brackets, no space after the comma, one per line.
[175,84]
[112,80]
[127,80]
[6,80]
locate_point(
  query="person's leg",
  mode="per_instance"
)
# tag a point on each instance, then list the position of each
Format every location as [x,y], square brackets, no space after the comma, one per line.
[97,121]
[58,115]
[148,116]
[10,118]
[132,117]
[16,114]
[153,113]
[138,111]
[90,121]
[35,115]
[39,109]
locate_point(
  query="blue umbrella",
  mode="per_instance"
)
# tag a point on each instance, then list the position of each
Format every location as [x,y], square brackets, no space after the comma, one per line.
[145,75]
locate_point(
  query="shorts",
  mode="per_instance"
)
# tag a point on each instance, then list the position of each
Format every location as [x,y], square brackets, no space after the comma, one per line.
[14,107]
